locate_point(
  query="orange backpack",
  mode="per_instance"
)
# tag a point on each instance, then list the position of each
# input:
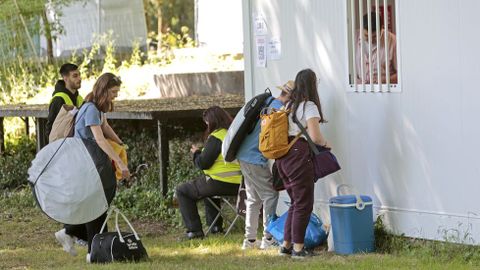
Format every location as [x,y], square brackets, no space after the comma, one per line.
[273,138]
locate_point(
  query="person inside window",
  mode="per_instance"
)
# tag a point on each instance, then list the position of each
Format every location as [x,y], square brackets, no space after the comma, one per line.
[362,48]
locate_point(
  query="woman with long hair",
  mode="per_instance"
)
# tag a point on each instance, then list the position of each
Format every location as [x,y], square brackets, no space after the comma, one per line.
[220,177]
[296,167]
[92,124]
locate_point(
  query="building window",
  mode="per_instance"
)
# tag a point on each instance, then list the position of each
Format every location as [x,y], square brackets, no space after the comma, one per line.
[372,46]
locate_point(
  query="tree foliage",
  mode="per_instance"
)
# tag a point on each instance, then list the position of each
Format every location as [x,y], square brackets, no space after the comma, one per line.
[22,22]
[173,13]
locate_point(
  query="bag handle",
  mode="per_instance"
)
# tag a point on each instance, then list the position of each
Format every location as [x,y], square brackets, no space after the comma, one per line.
[106,219]
[360,204]
[117,212]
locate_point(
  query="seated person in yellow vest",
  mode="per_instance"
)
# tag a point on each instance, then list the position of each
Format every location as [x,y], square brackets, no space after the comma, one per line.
[221,178]
[66,92]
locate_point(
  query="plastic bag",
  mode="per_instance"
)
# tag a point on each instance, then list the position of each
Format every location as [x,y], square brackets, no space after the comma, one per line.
[314,236]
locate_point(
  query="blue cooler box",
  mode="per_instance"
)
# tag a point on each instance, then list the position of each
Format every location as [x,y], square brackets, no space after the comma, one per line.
[352,223]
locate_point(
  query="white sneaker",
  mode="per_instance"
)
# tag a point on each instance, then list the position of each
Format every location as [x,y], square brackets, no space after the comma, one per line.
[88,258]
[248,245]
[266,244]
[66,241]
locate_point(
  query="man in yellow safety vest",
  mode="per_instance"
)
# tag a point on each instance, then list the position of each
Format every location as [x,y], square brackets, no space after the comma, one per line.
[66,92]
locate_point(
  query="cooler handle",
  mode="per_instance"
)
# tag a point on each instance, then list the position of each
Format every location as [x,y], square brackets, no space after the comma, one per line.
[360,204]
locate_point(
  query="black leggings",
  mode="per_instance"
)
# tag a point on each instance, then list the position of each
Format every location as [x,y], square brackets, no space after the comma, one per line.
[88,230]
[200,188]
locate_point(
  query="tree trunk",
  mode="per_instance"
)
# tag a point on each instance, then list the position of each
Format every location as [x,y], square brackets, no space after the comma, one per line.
[30,41]
[159,29]
[48,36]
[148,19]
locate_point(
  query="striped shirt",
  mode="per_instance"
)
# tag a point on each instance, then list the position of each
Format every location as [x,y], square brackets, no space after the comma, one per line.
[392,58]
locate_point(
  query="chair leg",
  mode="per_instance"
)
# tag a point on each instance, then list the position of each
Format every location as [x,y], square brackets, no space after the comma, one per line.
[216,218]
[213,223]
[231,225]
[220,213]
[234,209]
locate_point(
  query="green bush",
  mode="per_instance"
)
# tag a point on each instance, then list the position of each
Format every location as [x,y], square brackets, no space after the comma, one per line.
[143,200]
[15,162]
[17,201]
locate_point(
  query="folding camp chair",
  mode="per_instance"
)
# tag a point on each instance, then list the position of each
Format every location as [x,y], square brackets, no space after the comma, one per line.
[226,204]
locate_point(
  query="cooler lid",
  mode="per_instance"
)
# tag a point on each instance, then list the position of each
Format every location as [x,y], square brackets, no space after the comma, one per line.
[349,199]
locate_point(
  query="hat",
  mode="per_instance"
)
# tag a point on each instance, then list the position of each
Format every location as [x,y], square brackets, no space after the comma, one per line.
[287,87]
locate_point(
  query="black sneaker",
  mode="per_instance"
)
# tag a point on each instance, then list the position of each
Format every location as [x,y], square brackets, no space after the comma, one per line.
[302,254]
[216,229]
[283,251]
[193,235]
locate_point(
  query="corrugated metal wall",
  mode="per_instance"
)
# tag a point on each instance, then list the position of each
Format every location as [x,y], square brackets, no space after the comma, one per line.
[415,152]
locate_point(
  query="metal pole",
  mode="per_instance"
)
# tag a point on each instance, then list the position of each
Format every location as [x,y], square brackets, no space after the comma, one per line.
[360,17]
[2,137]
[27,126]
[385,34]
[370,68]
[163,157]
[354,44]
[40,128]
[379,70]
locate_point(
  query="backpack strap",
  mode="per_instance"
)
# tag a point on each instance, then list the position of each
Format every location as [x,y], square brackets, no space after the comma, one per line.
[288,111]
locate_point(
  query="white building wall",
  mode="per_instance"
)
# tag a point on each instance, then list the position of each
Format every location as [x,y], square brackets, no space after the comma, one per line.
[219,25]
[415,152]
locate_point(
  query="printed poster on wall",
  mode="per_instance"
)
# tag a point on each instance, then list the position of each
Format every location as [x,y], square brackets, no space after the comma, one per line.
[274,49]
[261,46]
[259,25]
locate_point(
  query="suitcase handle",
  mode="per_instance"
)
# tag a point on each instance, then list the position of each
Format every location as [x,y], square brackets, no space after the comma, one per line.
[360,204]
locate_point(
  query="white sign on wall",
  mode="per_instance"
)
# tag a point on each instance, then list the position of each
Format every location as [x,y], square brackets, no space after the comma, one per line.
[261,45]
[259,25]
[274,49]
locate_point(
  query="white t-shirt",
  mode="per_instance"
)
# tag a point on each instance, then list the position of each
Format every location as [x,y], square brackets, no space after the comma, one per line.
[311,111]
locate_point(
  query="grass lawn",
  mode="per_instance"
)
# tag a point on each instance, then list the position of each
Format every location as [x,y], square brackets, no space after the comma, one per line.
[27,242]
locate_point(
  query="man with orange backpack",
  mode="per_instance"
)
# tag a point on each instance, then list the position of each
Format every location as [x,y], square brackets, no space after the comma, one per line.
[258,179]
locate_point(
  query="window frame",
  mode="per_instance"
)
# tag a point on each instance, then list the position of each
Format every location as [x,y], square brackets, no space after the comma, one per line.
[349,50]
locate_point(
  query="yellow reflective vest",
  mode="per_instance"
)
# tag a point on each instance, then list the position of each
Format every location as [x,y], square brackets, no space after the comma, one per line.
[224,171]
[68,100]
